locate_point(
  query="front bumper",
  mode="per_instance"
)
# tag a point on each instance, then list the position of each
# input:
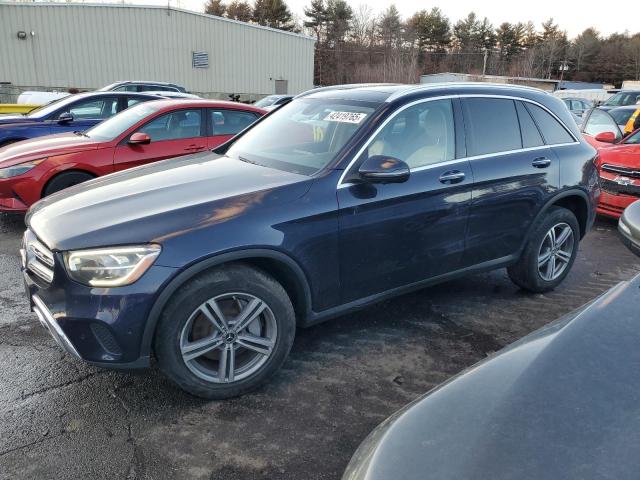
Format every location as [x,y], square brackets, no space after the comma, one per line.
[12,191]
[102,326]
[613,205]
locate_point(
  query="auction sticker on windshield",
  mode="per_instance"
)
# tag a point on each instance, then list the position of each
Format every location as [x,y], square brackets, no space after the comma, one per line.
[345,117]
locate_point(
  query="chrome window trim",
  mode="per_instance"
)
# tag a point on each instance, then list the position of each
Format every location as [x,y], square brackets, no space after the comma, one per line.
[456,160]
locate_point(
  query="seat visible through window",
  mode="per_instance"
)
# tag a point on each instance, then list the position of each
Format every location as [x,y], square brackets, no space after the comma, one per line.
[423,134]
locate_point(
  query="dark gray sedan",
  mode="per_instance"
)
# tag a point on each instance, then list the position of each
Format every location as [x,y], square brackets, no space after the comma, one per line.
[562,403]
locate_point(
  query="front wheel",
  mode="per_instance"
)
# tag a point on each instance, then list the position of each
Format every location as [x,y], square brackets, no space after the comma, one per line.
[549,253]
[65,180]
[225,332]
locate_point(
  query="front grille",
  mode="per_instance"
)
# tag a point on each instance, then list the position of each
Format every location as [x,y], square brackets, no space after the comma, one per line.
[614,188]
[627,172]
[38,259]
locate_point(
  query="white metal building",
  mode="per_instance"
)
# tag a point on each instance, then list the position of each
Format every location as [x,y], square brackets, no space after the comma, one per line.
[87,46]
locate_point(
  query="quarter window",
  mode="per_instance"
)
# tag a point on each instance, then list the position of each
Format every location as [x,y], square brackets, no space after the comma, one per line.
[174,126]
[230,122]
[552,130]
[530,135]
[423,134]
[491,125]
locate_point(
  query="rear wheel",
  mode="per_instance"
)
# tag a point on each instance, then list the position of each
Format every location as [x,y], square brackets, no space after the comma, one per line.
[65,180]
[549,253]
[225,332]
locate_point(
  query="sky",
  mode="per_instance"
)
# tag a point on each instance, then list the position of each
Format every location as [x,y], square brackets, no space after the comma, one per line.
[571,15]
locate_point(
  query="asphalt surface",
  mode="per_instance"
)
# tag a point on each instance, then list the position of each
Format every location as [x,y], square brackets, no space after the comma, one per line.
[60,418]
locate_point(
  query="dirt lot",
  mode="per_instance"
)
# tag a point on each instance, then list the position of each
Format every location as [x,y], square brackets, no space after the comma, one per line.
[62,419]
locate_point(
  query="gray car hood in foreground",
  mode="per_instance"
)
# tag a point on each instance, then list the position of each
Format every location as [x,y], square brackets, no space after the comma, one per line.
[562,403]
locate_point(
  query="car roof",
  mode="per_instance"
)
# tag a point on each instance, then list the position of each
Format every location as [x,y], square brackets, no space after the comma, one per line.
[391,92]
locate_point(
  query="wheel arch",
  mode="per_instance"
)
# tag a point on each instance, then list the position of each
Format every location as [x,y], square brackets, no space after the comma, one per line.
[62,172]
[280,266]
[575,200]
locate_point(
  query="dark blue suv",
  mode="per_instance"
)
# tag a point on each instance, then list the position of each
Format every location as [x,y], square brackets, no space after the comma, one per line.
[73,113]
[341,198]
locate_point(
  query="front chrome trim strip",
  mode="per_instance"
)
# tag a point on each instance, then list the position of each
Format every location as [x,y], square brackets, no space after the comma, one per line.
[50,323]
[42,253]
[607,167]
[40,270]
[346,171]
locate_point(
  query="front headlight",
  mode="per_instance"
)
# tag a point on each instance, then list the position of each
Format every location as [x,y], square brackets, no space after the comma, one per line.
[19,169]
[110,267]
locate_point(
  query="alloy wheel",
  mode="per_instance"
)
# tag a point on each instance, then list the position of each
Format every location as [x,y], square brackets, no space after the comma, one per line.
[228,337]
[555,252]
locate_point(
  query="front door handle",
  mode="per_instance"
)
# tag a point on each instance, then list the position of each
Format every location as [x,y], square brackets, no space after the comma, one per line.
[453,176]
[541,162]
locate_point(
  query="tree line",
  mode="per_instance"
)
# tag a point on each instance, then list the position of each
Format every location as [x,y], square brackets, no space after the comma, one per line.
[357,45]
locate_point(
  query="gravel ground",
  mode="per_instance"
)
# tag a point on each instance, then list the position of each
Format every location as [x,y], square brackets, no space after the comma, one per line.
[62,419]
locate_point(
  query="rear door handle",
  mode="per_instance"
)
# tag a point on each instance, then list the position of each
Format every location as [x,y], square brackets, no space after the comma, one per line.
[541,162]
[453,176]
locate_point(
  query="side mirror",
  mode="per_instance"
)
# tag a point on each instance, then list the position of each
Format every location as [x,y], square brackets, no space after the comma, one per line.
[629,227]
[384,169]
[65,117]
[139,138]
[606,137]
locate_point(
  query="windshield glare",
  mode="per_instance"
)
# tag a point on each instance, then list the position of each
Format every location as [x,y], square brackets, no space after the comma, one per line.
[267,101]
[304,136]
[623,99]
[120,123]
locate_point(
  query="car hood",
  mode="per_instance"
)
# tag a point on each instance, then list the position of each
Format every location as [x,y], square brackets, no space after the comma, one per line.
[564,402]
[9,119]
[622,155]
[48,146]
[158,201]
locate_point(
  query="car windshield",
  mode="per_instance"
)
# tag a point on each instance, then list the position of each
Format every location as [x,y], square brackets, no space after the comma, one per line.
[633,139]
[623,98]
[51,107]
[120,123]
[304,136]
[267,101]
[621,116]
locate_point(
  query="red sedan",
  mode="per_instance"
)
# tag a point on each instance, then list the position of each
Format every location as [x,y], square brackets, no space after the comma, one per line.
[618,163]
[144,133]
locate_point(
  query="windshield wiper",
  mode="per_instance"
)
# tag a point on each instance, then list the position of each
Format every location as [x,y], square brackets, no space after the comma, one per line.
[80,134]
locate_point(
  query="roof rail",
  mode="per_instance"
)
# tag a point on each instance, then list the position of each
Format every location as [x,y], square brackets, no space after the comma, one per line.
[347,86]
[431,86]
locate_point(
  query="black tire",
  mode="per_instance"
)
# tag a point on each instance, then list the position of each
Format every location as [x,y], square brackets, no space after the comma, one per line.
[525,273]
[214,283]
[65,180]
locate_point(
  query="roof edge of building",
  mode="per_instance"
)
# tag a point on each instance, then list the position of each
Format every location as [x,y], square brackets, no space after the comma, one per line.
[156,7]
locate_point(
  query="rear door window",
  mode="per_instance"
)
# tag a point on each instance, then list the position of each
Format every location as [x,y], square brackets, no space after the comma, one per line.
[552,130]
[230,122]
[491,125]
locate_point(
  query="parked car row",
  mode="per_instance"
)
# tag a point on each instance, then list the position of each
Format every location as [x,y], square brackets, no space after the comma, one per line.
[146,130]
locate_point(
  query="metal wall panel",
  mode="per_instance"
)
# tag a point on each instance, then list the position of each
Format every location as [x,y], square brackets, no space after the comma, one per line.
[89,46]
